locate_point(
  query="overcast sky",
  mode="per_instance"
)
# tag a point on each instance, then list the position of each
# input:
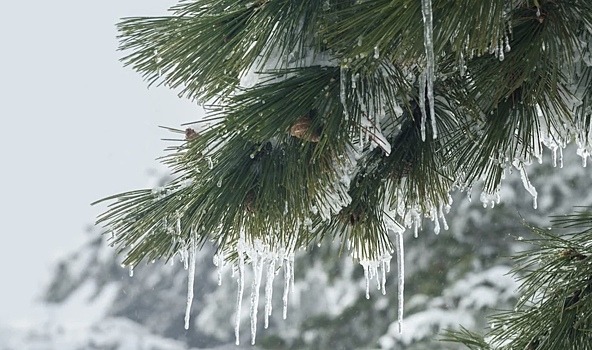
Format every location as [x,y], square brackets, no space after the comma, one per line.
[76,126]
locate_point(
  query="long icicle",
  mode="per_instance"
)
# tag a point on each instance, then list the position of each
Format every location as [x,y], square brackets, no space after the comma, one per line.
[422,98]
[430,71]
[257,272]
[287,278]
[269,290]
[401,277]
[190,280]
[241,287]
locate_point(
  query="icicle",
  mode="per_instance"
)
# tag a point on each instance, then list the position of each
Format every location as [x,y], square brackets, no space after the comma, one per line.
[361,140]
[434,216]
[185,258]
[441,215]
[430,72]
[269,290]
[190,279]
[424,117]
[500,50]
[218,262]
[400,277]
[179,225]
[560,157]
[376,136]
[367,277]
[385,264]
[342,94]
[131,271]
[291,257]
[354,81]
[526,182]
[287,274]
[413,218]
[241,287]
[376,53]
[257,272]
[375,268]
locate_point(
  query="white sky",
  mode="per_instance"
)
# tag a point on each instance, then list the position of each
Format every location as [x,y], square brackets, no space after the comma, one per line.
[75,126]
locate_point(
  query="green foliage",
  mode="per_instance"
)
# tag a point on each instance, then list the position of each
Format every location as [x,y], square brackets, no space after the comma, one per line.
[555,306]
[346,72]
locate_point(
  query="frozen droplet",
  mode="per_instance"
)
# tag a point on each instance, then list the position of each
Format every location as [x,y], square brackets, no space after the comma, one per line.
[131,271]
[436,221]
[376,52]
[507,47]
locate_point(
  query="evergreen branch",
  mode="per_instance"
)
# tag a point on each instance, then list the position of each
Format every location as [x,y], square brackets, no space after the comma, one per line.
[471,340]
[315,126]
[554,310]
[227,39]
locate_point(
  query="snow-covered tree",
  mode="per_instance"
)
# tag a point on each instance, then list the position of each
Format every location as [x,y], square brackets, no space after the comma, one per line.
[347,121]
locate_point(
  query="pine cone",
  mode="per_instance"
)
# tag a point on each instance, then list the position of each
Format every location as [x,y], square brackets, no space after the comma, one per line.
[249,202]
[302,130]
[190,134]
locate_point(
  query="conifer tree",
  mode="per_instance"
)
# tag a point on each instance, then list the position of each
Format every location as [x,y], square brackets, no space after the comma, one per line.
[555,306]
[347,120]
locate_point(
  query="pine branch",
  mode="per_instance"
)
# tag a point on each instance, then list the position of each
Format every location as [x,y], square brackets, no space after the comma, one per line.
[318,111]
[554,309]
